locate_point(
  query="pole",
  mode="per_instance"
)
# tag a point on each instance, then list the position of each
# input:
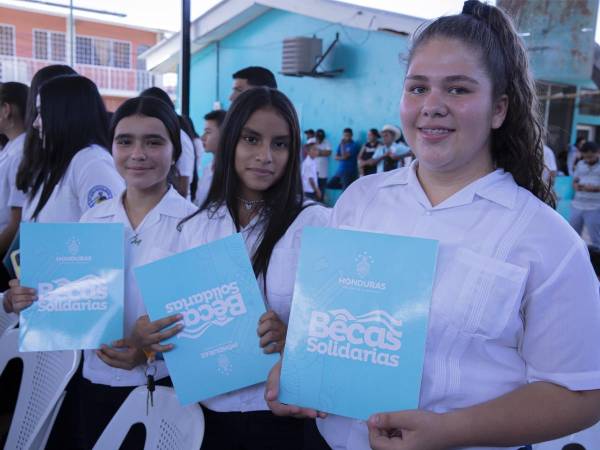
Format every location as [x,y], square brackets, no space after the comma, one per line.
[71,34]
[185,57]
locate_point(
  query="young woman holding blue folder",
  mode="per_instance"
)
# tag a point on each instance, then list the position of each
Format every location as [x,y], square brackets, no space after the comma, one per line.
[145,145]
[69,172]
[256,190]
[512,348]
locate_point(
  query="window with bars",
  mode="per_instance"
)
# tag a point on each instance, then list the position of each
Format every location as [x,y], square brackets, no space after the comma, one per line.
[7,40]
[49,45]
[102,52]
[83,50]
[121,54]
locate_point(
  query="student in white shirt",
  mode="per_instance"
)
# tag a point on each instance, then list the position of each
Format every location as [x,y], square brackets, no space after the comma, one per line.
[309,172]
[210,139]
[145,145]
[512,347]
[75,171]
[186,162]
[71,173]
[550,166]
[13,104]
[257,191]
[323,159]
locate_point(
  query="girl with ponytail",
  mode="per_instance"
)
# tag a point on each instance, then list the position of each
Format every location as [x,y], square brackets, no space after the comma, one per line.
[512,344]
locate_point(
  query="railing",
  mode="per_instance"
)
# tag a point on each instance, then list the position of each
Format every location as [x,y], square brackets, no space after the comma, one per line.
[110,80]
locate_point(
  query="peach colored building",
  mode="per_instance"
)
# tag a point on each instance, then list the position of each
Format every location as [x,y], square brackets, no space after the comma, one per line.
[104,52]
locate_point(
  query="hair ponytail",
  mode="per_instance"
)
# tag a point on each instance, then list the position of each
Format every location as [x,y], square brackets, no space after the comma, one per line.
[517,145]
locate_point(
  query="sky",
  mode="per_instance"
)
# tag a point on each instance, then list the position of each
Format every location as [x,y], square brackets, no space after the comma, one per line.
[156,14]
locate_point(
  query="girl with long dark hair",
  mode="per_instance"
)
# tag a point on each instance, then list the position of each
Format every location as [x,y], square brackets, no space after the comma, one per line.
[256,190]
[13,103]
[71,172]
[512,355]
[74,170]
[33,144]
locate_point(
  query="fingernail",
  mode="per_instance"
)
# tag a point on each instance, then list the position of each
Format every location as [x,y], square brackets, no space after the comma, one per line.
[270,394]
[179,316]
[374,420]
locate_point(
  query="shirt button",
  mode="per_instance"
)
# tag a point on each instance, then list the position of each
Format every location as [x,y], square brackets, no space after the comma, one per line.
[428,213]
[118,378]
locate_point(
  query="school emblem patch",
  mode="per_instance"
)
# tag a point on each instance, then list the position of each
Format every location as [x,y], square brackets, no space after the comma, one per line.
[98,194]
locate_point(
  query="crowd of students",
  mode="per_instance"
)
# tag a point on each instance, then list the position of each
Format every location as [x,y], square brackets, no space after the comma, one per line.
[511,356]
[382,152]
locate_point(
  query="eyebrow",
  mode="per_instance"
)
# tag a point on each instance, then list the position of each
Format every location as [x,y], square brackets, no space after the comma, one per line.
[256,133]
[451,78]
[145,136]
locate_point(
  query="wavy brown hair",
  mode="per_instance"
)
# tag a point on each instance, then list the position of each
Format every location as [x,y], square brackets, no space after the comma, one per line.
[517,145]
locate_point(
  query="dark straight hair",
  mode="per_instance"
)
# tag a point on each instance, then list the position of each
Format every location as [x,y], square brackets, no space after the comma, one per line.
[15,94]
[32,147]
[149,107]
[283,200]
[73,118]
[517,145]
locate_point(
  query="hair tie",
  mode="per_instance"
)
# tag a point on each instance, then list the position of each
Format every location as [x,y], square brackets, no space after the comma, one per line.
[469,7]
[477,10]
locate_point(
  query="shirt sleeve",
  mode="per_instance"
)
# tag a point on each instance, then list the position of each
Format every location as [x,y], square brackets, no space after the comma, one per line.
[185,163]
[96,180]
[16,197]
[562,333]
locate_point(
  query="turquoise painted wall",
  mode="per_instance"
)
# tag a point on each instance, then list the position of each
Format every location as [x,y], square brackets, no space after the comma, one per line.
[366,95]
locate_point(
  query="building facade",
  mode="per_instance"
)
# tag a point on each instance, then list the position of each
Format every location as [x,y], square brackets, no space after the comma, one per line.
[358,84]
[370,49]
[104,52]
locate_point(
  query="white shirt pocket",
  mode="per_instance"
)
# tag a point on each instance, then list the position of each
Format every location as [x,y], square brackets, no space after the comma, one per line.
[477,294]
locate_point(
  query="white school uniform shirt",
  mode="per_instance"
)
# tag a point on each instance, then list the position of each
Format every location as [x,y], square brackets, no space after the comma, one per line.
[157,237]
[549,163]
[309,170]
[90,179]
[281,275]
[185,163]
[323,161]
[10,196]
[515,299]
[204,185]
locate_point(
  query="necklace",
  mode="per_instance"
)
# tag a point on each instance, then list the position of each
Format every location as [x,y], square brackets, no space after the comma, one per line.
[250,204]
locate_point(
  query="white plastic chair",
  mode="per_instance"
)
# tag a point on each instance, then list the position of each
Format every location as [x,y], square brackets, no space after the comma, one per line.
[168,424]
[45,377]
[589,438]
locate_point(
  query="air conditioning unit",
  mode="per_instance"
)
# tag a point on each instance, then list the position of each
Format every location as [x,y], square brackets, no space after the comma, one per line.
[300,55]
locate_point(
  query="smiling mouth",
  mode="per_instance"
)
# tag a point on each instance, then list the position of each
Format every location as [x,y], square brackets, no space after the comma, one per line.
[435,131]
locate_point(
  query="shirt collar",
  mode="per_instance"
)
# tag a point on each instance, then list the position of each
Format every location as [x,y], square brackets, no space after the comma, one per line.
[171,205]
[498,186]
